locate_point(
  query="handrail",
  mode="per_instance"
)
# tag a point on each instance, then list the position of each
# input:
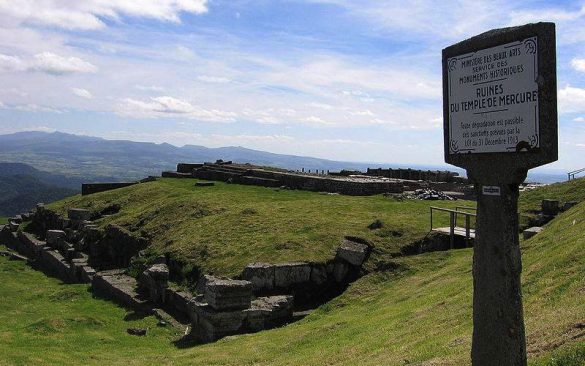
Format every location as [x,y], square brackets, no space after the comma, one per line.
[465,208]
[571,175]
[453,222]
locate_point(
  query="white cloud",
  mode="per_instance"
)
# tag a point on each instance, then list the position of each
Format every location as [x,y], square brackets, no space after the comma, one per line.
[316,120]
[578,64]
[47,62]
[88,14]
[31,107]
[571,99]
[11,63]
[155,88]
[169,107]
[213,79]
[579,119]
[58,65]
[83,93]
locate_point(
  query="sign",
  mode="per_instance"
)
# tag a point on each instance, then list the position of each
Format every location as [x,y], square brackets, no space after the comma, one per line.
[491,190]
[500,120]
[500,98]
[493,99]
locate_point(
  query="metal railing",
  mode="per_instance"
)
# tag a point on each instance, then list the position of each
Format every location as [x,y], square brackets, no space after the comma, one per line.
[453,214]
[571,175]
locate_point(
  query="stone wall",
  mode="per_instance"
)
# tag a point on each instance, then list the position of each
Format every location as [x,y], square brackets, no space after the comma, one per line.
[414,174]
[91,188]
[265,295]
[267,178]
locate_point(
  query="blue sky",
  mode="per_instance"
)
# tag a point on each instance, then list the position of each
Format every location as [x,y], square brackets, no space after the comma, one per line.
[337,79]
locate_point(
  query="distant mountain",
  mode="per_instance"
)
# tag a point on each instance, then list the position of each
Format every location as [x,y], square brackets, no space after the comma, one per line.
[22,187]
[92,158]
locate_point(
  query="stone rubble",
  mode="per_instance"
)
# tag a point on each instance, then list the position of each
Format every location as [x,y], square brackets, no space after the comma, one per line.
[429,195]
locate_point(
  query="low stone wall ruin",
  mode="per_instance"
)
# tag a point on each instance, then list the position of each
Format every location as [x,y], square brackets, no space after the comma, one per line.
[91,188]
[263,297]
[226,172]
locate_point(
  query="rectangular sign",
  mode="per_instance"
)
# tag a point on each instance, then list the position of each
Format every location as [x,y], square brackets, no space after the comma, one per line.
[491,190]
[493,99]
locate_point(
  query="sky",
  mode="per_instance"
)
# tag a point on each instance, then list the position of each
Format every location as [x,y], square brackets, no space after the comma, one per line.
[339,79]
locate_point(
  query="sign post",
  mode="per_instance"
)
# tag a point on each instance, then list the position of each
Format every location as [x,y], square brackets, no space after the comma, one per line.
[500,119]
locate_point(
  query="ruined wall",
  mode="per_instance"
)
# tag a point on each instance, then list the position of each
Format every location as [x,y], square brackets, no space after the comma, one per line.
[296,181]
[91,188]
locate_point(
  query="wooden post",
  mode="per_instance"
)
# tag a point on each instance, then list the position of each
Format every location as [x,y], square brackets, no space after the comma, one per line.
[467,230]
[452,230]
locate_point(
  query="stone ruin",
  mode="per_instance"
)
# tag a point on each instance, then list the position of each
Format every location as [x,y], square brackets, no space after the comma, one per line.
[263,296]
[375,181]
[549,209]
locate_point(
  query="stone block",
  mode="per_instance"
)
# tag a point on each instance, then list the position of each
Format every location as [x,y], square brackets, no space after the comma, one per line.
[202,283]
[340,270]
[569,205]
[261,275]
[119,287]
[529,233]
[86,274]
[550,207]
[289,274]
[213,325]
[318,274]
[13,226]
[352,252]
[79,214]
[155,281]
[275,309]
[17,219]
[228,294]
[55,238]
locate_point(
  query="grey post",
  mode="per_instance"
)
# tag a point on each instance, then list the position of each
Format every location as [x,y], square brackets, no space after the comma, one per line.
[500,119]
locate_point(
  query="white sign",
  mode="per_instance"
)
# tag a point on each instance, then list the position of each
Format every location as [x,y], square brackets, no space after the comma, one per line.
[491,190]
[493,99]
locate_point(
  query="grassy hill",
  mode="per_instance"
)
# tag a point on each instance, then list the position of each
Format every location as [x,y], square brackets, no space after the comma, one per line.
[419,314]
[221,229]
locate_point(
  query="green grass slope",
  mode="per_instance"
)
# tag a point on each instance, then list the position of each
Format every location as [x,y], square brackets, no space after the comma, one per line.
[529,203]
[223,228]
[418,315]
[3,220]
[43,322]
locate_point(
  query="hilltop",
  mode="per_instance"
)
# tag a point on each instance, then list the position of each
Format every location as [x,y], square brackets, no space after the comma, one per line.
[221,229]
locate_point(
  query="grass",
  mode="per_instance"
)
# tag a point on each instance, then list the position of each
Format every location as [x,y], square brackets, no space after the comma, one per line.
[3,220]
[529,203]
[418,315]
[221,229]
[43,322]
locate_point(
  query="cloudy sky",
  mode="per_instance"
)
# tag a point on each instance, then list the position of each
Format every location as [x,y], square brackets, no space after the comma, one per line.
[339,79]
